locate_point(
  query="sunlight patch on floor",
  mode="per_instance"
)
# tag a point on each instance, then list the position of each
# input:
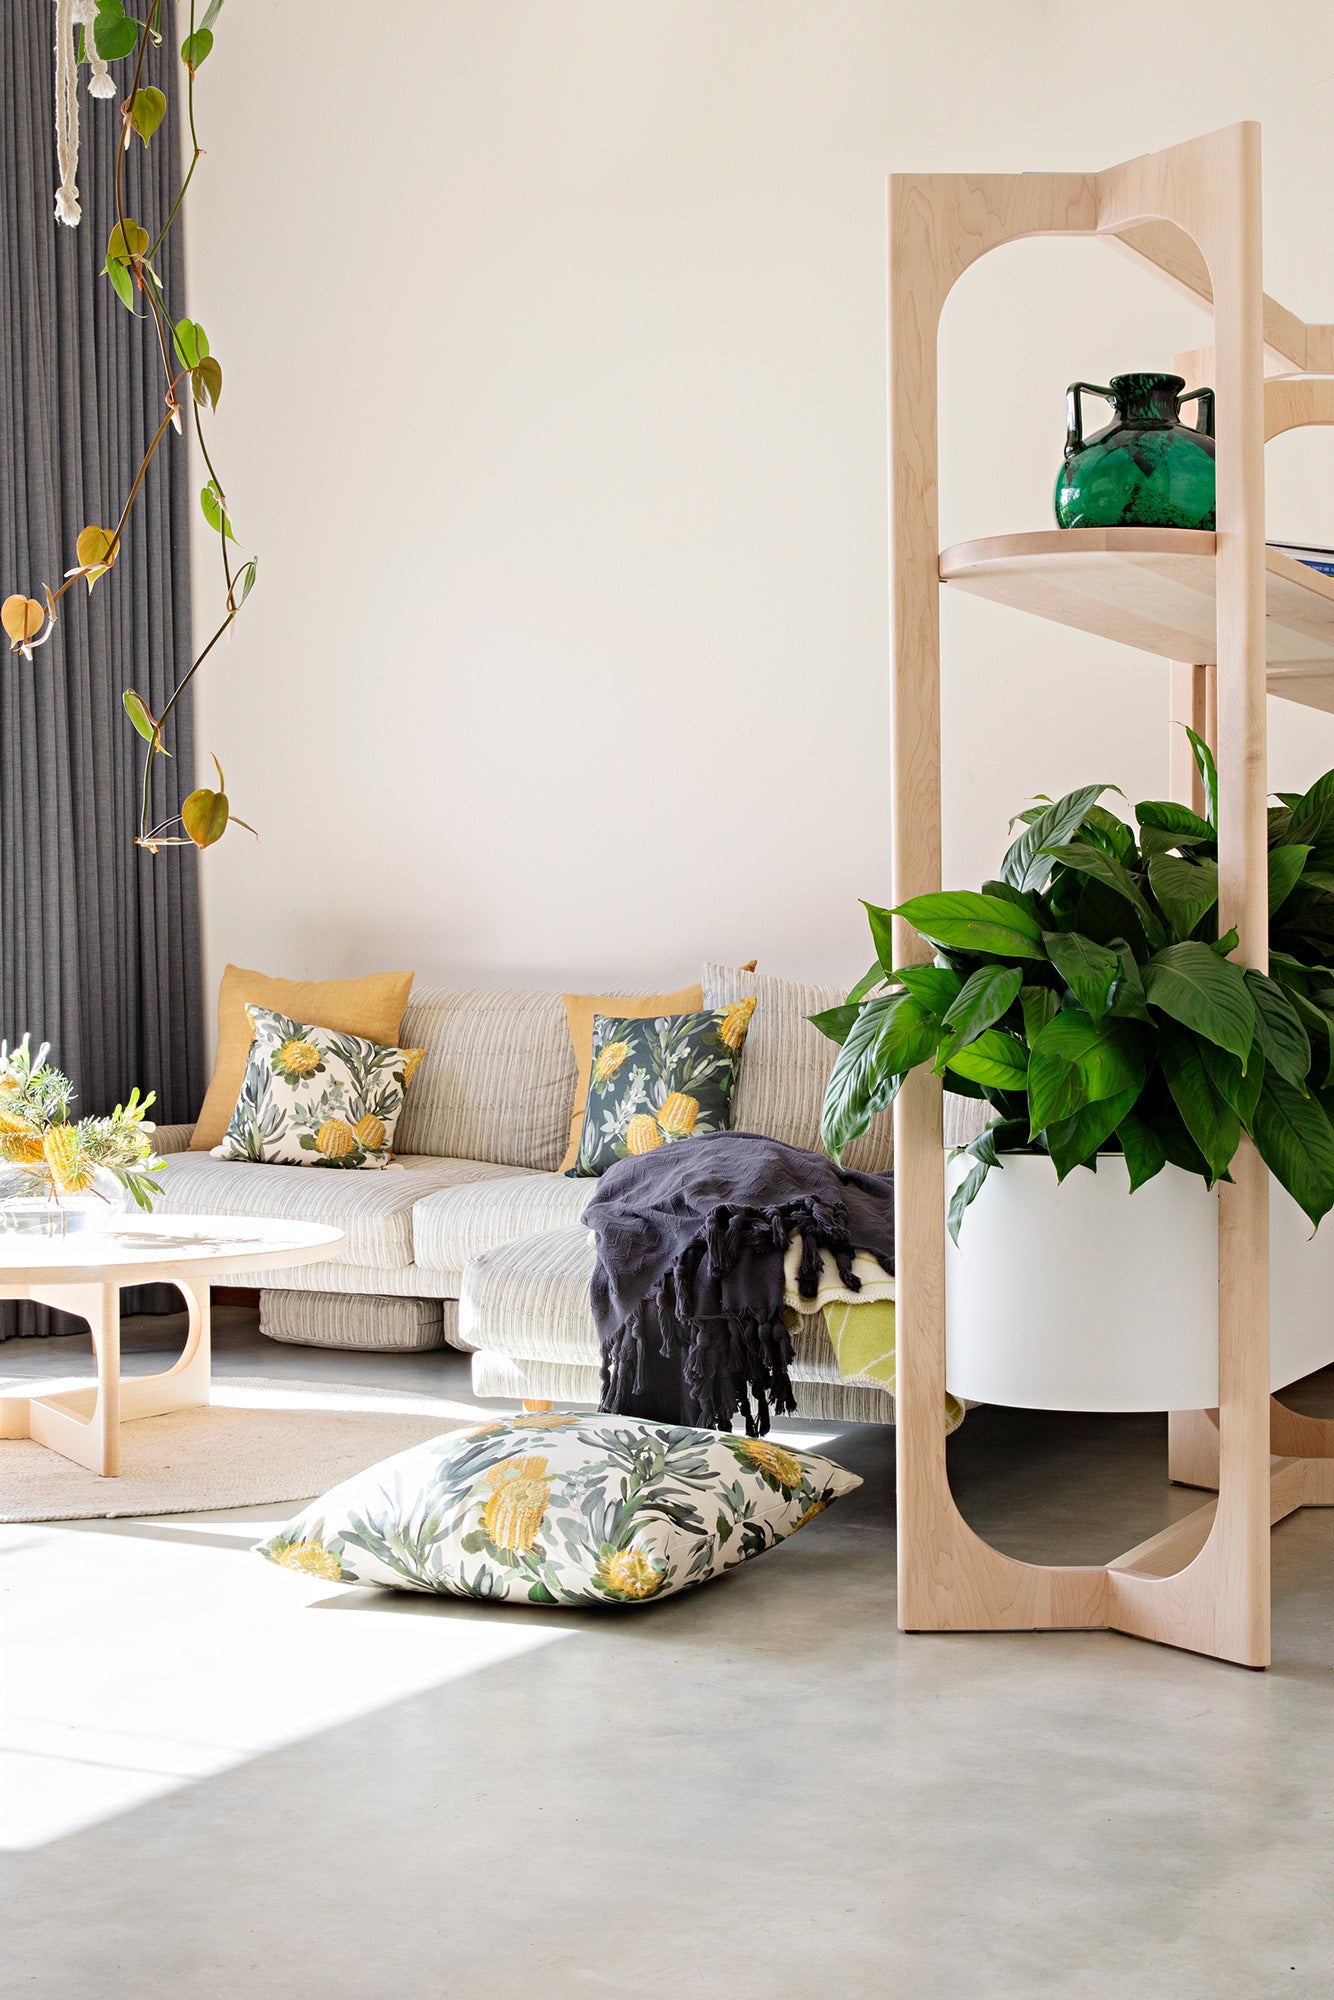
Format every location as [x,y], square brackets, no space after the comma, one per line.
[132,1664]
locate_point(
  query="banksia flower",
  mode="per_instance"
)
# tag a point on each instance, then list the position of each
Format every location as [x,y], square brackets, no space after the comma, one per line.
[629,1573]
[678,1114]
[312,1559]
[370,1131]
[21,1149]
[642,1134]
[295,1060]
[336,1139]
[70,1169]
[611,1059]
[736,1021]
[412,1063]
[779,1465]
[513,1514]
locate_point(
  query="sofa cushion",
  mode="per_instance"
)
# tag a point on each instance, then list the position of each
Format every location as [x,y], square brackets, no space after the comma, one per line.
[458,1222]
[497,1079]
[787,1062]
[374,1211]
[529,1299]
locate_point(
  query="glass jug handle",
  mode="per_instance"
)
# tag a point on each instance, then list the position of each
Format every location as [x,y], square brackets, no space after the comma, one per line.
[1204,421]
[1074,413]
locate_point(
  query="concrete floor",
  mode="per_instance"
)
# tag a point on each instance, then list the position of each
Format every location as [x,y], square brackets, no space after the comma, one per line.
[264,1786]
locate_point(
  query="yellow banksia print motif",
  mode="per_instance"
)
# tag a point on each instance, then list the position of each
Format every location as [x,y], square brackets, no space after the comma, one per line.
[736,1022]
[630,1573]
[513,1514]
[311,1559]
[336,1139]
[561,1507]
[642,1134]
[679,1115]
[296,1060]
[314,1097]
[784,1467]
[657,1082]
[611,1060]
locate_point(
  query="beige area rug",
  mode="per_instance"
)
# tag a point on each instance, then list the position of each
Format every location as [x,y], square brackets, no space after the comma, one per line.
[258,1441]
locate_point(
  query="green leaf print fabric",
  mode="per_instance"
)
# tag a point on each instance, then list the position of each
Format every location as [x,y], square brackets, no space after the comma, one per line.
[656,1081]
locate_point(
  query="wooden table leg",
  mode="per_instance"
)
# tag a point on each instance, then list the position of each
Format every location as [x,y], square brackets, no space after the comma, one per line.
[84,1424]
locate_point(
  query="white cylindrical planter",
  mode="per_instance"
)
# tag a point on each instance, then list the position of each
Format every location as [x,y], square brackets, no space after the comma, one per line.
[1079,1295]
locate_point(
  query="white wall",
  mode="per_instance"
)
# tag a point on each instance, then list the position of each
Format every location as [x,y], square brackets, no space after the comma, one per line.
[553,334]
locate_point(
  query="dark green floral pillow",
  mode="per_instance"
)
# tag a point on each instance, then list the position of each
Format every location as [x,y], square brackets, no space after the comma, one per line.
[653,1082]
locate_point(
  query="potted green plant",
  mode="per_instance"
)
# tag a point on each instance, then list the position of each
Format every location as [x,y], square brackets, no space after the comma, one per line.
[1088,997]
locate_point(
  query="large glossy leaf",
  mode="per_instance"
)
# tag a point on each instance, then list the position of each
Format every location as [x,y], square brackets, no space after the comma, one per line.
[1312,819]
[934,985]
[1166,816]
[1278,1029]
[1128,993]
[1144,1150]
[1088,969]
[963,920]
[966,1192]
[890,1035]
[1211,1122]
[1073,1141]
[984,998]
[836,1022]
[1296,1142]
[1077,1061]
[1186,890]
[1038,1005]
[1193,985]
[882,934]
[993,1058]
[1026,864]
[867,983]
[1236,1086]
[1108,831]
[1285,867]
[1091,861]
[1318,1021]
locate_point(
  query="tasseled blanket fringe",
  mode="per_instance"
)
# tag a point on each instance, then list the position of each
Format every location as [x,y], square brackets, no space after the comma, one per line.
[741,1360]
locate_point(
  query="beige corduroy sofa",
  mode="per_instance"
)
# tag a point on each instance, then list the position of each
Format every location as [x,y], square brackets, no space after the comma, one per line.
[473,1239]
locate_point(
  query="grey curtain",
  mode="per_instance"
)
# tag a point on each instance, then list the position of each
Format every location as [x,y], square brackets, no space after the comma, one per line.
[99,941]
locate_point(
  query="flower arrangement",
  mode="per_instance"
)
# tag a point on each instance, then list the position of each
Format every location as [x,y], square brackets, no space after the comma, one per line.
[1088,996]
[47,1153]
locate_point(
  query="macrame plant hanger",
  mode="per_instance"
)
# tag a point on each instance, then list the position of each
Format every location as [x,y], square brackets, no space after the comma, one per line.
[72,14]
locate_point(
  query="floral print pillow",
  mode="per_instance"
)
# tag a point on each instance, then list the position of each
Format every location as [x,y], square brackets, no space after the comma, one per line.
[313,1097]
[561,1509]
[656,1081]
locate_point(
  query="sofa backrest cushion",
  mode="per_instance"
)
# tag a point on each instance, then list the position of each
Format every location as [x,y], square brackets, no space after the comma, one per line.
[786,1063]
[496,1082]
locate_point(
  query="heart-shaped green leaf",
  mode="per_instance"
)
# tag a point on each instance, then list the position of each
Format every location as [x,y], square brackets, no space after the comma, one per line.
[147,111]
[204,816]
[206,381]
[190,341]
[197,48]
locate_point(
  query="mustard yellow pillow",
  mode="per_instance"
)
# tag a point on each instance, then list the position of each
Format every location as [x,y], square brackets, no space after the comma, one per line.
[371,1007]
[580,1012]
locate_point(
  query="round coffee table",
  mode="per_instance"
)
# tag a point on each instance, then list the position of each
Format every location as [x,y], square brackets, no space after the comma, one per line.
[84,1273]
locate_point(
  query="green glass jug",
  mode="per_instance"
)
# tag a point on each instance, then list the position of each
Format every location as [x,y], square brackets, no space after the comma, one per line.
[1147,469]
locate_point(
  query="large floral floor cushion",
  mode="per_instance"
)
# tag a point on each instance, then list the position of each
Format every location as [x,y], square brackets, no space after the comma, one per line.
[561,1509]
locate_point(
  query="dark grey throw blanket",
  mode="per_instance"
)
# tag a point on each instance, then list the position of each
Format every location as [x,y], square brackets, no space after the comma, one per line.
[688,1286]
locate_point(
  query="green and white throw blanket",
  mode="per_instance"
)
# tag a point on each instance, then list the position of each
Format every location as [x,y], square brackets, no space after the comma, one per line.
[861,1324]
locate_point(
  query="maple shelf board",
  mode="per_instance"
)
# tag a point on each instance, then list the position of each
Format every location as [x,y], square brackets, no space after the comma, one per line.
[1154,589]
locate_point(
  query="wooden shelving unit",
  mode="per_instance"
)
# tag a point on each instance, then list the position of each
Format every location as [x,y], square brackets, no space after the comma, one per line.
[1237,621]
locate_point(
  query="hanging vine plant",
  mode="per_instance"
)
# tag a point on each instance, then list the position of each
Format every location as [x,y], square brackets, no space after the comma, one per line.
[192,374]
